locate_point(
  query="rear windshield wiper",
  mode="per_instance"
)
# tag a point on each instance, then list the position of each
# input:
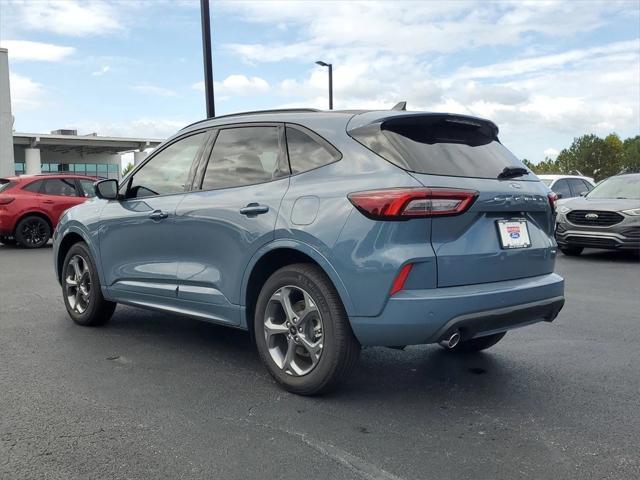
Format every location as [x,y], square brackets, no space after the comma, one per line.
[511,172]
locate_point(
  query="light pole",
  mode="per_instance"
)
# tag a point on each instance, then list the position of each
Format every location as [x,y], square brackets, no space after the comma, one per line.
[206,55]
[330,66]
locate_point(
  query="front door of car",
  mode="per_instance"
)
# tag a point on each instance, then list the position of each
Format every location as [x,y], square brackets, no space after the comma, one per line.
[231,216]
[58,195]
[138,233]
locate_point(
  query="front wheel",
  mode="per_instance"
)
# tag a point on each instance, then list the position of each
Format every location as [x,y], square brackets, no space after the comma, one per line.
[302,331]
[477,344]
[81,289]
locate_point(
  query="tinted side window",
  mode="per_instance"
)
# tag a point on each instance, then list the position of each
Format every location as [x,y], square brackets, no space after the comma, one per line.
[34,186]
[305,153]
[561,187]
[587,185]
[168,171]
[87,188]
[577,186]
[60,186]
[243,156]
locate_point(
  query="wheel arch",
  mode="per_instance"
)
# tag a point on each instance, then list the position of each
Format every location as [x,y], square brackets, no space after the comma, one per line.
[33,213]
[277,255]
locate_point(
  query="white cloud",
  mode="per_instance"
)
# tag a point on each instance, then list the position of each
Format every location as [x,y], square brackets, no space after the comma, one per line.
[38,51]
[25,93]
[410,28]
[101,71]
[75,18]
[154,90]
[551,153]
[239,85]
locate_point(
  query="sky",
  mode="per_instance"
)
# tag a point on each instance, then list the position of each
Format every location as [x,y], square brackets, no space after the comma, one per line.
[544,71]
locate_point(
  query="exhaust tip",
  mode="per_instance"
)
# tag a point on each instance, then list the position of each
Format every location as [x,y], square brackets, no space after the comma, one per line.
[451,341]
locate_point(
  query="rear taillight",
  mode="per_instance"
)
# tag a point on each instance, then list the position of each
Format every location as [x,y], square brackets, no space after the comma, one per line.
[406,203]
[6,200]
[398,283]
[552,200]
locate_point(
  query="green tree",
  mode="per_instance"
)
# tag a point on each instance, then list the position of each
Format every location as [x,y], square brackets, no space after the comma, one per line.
[631,153]
[127,169]
[592,156]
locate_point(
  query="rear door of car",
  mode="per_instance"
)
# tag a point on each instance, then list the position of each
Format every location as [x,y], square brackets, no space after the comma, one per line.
[230,214]
[507,232]
[578,186]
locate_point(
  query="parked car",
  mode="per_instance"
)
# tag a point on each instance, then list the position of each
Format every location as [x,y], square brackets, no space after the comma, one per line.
[31,205]
[568,186]
[320,233]
[607,217]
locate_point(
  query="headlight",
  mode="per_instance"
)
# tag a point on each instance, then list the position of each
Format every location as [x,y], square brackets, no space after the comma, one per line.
[563,209]
[633,211]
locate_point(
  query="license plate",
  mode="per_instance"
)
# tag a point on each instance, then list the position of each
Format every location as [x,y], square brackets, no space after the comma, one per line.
[513,234]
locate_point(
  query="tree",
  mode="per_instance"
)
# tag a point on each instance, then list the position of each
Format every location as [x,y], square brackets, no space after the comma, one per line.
[631,153]
[127,169]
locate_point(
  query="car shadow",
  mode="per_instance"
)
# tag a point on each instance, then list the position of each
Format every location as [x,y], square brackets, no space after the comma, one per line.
[597,255]
[426,373]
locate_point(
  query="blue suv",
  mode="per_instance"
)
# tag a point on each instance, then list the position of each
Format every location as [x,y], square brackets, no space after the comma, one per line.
[321,233]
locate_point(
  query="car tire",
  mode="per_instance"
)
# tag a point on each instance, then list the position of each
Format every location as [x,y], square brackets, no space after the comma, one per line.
[477,344]
[81,288]
[311,349]
[572,251]
[32,232]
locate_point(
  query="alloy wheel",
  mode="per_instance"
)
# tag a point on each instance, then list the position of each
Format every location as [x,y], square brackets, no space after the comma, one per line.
[34,232]
[293,331]
[77,283]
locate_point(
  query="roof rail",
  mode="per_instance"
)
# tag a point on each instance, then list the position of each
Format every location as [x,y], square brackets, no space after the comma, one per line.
[256,112]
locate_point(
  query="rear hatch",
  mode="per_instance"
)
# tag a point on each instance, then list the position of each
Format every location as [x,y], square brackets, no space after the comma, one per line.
[507,233]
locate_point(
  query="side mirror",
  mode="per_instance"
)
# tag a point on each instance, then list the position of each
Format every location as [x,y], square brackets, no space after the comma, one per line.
[583,194]
[107,189]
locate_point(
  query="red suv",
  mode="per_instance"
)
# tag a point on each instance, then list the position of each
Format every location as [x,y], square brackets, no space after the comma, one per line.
[31,205]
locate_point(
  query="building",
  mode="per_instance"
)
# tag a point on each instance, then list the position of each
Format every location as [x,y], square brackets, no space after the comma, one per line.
[60,150]
[66,151]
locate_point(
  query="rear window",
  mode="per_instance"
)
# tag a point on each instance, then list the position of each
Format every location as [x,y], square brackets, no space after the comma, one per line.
[5,184]
[439,145]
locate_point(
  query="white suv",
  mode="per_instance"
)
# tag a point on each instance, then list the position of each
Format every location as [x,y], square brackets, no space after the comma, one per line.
[568,186]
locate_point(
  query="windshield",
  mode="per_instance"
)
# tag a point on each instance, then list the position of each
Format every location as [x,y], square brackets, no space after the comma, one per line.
[626,186]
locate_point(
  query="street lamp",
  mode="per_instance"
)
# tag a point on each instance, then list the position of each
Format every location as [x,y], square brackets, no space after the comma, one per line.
[330,66]
[206,55]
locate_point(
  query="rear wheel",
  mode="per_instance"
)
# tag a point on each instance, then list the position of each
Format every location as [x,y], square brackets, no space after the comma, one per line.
[81,289]
[572,251]
[302,332]
[477,344]
[33,232]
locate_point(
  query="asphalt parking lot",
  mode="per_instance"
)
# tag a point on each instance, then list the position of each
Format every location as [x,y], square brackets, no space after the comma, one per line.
[157,396]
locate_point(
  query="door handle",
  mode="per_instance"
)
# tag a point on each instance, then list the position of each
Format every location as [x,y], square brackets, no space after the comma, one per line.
[254,209]
[158,215]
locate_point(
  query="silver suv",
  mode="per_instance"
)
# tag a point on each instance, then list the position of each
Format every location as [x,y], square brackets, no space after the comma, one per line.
[607,217]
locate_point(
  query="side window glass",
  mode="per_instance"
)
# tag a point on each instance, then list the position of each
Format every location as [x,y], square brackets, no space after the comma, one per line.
[561,187]
[34,187]
[60,186]
[305,153]
[87,188]
[168,171]
[243,156]
[577,186]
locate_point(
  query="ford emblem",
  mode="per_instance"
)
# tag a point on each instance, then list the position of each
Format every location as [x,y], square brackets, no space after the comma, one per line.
[591,216]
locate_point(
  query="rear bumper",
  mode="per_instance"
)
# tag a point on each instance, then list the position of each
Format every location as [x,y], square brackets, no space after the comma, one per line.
[415,317]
